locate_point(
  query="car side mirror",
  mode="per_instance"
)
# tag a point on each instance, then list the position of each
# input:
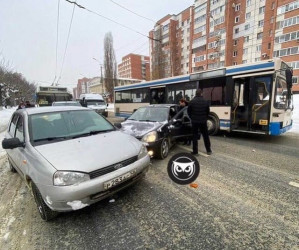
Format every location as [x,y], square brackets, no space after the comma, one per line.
[117,124]
[12,143]
[177,121]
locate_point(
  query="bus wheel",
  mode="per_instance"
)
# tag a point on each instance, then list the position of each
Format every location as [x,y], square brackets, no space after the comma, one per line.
[213,125]
[163,149]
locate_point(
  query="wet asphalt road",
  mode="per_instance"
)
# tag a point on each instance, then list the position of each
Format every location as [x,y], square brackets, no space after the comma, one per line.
[243,201]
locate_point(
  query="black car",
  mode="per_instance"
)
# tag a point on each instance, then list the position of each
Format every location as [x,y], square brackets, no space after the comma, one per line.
[160,126]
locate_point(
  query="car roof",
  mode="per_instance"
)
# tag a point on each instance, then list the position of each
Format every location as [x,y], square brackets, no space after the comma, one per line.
[49,109]
[67,102]
[162,105]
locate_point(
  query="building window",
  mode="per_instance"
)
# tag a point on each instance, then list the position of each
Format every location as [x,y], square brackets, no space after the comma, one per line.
[261,23]
[237,7]
[295,80]
[288,7]
[262,10]
[246,39]
[288,22]
[235,63]
[286,52]
[257,59]
[270,32]
[273,6]
[237,30]
[237,19]
[235,53]
[244,61]
[248,2]
[272,19]
[245,51]
[269,45]
[235,42]
[247,26]
[259,36]
[248,15]
[259,47]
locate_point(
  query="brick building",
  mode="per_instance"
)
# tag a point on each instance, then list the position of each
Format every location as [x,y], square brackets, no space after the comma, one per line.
[217,33]
[135,67]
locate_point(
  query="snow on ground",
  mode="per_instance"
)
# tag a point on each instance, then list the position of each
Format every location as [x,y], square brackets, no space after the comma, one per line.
[295,128]
[5,115]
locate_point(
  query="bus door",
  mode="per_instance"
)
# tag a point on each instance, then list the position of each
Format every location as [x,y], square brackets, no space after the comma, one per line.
[157,95]
[251,103]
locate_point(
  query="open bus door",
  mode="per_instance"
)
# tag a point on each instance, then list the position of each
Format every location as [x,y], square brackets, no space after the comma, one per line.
[251,104]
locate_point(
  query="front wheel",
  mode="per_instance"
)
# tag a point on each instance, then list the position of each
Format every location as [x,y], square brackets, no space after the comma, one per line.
[45,212]
[213,125]
[163,149]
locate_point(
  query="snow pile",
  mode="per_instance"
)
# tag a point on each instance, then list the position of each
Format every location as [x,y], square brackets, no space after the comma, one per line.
[295,128]
[5,115]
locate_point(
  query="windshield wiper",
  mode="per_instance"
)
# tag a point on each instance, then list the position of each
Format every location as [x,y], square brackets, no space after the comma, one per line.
[147,121]
[51,138]
[93,132]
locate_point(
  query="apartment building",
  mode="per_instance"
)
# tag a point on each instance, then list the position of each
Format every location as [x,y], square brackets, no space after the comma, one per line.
[135,67]
[217,33]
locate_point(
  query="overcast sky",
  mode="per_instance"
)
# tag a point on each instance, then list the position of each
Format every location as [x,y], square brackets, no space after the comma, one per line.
[28,34]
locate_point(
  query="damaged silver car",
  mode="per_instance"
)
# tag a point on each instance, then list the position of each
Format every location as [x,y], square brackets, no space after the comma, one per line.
[71,157]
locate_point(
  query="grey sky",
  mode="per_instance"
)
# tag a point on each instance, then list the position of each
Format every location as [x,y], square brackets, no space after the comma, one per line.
[28,34]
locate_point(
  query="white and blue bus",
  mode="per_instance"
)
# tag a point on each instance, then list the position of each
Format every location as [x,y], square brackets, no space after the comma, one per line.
[251,98]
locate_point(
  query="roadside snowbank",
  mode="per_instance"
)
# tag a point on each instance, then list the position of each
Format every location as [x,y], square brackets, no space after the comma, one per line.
[295,128]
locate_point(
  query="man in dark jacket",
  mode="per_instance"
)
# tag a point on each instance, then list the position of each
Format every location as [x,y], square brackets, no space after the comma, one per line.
[198,111]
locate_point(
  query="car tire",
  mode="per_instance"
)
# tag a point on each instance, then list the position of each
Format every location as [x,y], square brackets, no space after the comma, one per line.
[12,169]
[213,125]
[163,149]
[45,212]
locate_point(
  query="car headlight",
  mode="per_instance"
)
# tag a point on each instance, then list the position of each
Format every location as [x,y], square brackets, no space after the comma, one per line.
[143,151]
[150,137]
[64,178]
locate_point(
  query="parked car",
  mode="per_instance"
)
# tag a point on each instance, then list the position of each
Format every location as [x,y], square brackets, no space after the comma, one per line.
[160,126]
[71,157]
[67,103]
[95,102]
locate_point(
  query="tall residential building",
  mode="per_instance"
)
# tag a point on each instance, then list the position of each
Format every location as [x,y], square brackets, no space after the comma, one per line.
[135,67]
[217,33]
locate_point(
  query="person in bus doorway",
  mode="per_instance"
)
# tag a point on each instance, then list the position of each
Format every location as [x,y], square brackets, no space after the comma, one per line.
[198,111]
[183,104]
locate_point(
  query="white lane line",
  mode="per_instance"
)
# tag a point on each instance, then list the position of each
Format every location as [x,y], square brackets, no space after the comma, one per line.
[189,149]
[294,184]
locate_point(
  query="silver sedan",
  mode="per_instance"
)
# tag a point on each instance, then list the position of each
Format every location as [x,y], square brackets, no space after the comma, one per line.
[71,157]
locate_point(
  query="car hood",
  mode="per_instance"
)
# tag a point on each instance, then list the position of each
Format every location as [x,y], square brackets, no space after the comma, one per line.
[138,128]
[90,153]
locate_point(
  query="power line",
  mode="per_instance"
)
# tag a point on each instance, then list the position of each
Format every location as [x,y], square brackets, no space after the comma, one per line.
[67,41]
[111,20]
[134,12]
[56,41]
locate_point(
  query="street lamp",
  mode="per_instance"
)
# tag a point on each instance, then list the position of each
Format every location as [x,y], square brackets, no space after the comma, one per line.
[101,66]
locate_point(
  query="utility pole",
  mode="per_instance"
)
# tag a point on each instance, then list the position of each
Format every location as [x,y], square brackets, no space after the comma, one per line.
[101,67]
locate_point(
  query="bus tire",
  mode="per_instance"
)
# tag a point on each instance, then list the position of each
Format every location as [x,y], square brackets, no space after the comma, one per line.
[213,125]
[163,150]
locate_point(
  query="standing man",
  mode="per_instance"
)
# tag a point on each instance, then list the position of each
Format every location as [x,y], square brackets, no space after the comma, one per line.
[198,111]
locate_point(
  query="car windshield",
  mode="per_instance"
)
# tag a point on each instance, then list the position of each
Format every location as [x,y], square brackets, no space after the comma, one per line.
[48,127]
[150,114]
[95,102]
[66,104]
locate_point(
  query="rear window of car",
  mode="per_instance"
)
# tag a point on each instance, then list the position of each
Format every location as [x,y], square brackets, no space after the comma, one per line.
[66,124]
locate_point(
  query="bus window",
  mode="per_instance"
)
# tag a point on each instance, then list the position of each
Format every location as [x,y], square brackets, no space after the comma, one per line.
[281,94]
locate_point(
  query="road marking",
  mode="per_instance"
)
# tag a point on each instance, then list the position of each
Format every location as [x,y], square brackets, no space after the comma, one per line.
[188,149]
[294,184]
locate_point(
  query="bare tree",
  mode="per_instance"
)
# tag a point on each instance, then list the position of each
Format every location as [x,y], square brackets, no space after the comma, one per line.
[110,66]
[13,86]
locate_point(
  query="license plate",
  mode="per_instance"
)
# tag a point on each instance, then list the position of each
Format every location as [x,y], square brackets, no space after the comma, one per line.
[119,179]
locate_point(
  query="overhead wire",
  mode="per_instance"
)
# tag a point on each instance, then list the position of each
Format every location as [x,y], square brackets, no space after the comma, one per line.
[149,19]
[111,20]
[67,41]
[57,32]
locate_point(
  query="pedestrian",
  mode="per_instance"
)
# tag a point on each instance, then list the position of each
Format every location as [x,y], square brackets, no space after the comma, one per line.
[198,111]
[183,104]
[28,104]
[21,105]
